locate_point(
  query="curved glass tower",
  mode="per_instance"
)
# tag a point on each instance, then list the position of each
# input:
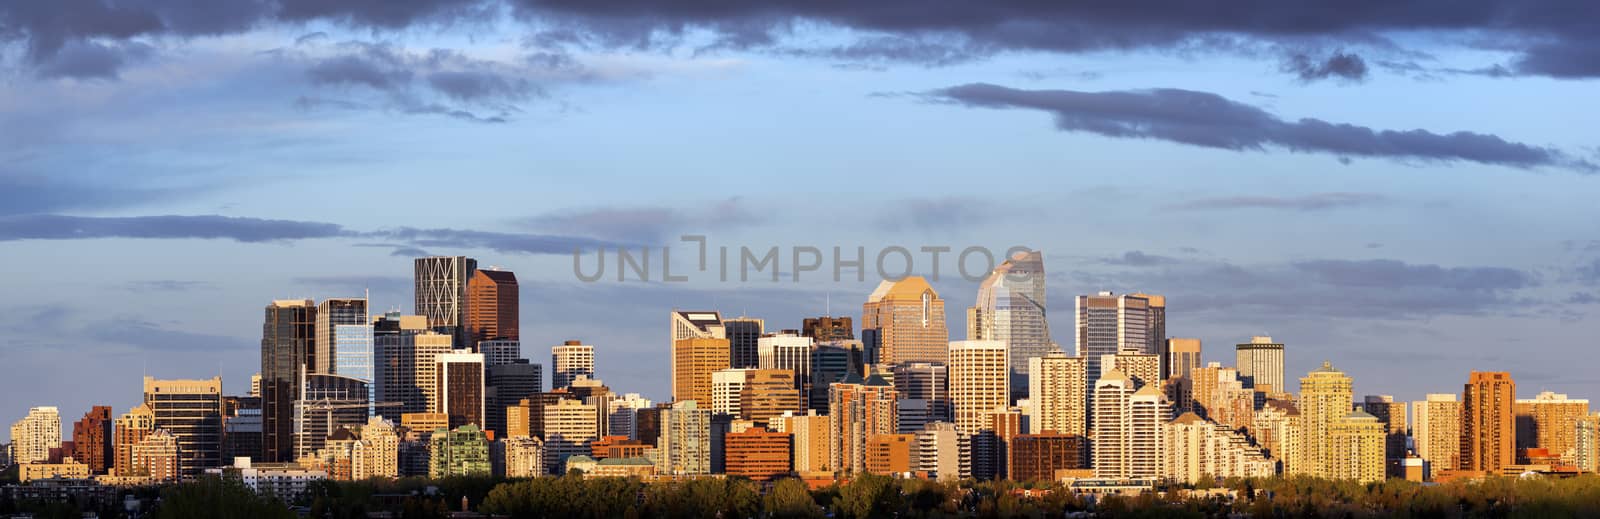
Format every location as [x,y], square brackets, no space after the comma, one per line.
[1011,309]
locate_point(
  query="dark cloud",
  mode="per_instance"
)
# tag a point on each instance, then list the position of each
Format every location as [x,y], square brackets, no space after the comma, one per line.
[150,336]
[248,230]
[1347,66]
[29,193]
[92,60]
[378,69]
[519,243]
[1583,298]
[1138,259]
[1212,121]
[475,85]
[648,225]
[934,213]
[1588,272]
[167,285]
[1398,275]
[435,82]
[1313,202]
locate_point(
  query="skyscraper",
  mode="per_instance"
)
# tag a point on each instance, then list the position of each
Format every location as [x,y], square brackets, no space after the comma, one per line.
[459,386]
[1325,399]
[928,382]
[693,362]
[1127,423]
[192,411]
[1548,421]
[1143,368]
[812,440]
[131,428]
[1183,355]
[828,328]
[405,348]
[569,427]
[1356,447]
[570,360]
[501,351]
[726,388]
[1011,309]
[1057,394]
[907,323]
[767,394]
[91,439]
[34,435]
[327,349]
[327,403]
[441,294]
[1260,364]
[505,385]
[786,351]
[1392,415]
[743,332]
[1108,324]
[1436,430]
[943,452]
[1156,327]
[980,377]
[1221,397]
[684,446]
[858,410]
[493,309]
[1488,430]
[288,343]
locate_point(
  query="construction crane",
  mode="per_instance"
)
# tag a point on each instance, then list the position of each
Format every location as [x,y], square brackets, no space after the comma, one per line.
[328,406]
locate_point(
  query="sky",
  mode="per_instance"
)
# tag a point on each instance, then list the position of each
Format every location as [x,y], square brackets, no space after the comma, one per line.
[1405,190]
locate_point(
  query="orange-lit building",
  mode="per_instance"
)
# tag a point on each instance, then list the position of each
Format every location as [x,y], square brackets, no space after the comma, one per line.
[618,447]
[693,361]
[1488,430]
[91,439]
[767,393]
[492,309]
[904,322]
[758,454]
[891,453]
[1037,457]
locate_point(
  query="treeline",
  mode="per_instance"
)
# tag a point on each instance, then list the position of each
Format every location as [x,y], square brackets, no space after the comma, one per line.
[882,497]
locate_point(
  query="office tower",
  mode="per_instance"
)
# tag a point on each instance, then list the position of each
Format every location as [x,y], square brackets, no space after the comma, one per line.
[569,361]
[459,452]
[527,417]
[404,363]
[693,361]
[1109,324]
[377,453]
[812,440]
[1011,309]
[913,415]
[524,457]
[697,325]
[1260,364]
[786,351]
[1156,329]
[91,439]
[1183,356]
[984,447]
[34,435]
[768,393]
[1278,429]
[131,428]
[928,382]
[1221,397]
[1057,395]
[288,342]
[943,453]
[1038,457]
[326,403]
[192,411]
[1487,421]
[1143,368]
[493,312]
[333,346]
[828,328]
[1127,424]
[1586,443]
[759,454]
[830,362]
[569,427]
[1548,421]
[742,333]
[1392,415]
[1356,447]
[906,319]
[459,387]
[859,409]
[726,387]
[501,351]
[1196,448]
[1436,430]
[1006,424]
[979,381]
[441,294]
[622,415]
[155,457]
[891,454]
[505,385]
[684,446]
[1325,399]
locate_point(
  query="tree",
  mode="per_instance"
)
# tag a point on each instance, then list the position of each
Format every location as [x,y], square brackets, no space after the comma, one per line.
[212,496]
[791,499]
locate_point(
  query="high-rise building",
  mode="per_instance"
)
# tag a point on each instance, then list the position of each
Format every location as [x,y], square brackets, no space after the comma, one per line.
[1156,327]
[568,361]
[501,351]
[743,332]
[377,453]
[787,351]
[1196,447]
[1278,429]
[154,457]
[1488,426]
[693,362]
[1586,443]
[1127,428]
[288,348]
[831,362]
[1548,421]
[1038,457]
[459,386]
[943,453]
[493,311]
[327,403]
[622,416]
[441,294]
[192,411]
[858,410]
[903,321]
[1392,415]
[35,435]
[828,328]
[1011,309]
[131,428]
[1325,399]
[523,457]
[1220,396]
[928,382]
[1143,368]
[1057,395]
[768,393]
[1109,324]
[333,346]
[403,367]
[684,446]
[569,427]
[91,439]
[1436,430]
[1183,355]
[506,385]
[726,387]
[891,454]
[459,452]
[759,454]
[1260,364]
[979,381]
[1356,447]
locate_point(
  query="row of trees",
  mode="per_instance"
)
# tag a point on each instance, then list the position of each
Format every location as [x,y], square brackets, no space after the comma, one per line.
[871,497]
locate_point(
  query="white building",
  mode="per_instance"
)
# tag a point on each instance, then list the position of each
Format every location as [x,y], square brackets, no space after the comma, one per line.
[1058,392]
[286,481]
[1127,428]
[34,435]
[979,382]
[1196,447]
[726,386]
[569,427]
[570,361]
[943,452]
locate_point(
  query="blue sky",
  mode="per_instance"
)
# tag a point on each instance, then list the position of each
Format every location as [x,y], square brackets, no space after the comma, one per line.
[165,172]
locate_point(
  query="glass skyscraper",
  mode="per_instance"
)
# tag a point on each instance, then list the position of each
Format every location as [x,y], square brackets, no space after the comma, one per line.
[1011,309]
